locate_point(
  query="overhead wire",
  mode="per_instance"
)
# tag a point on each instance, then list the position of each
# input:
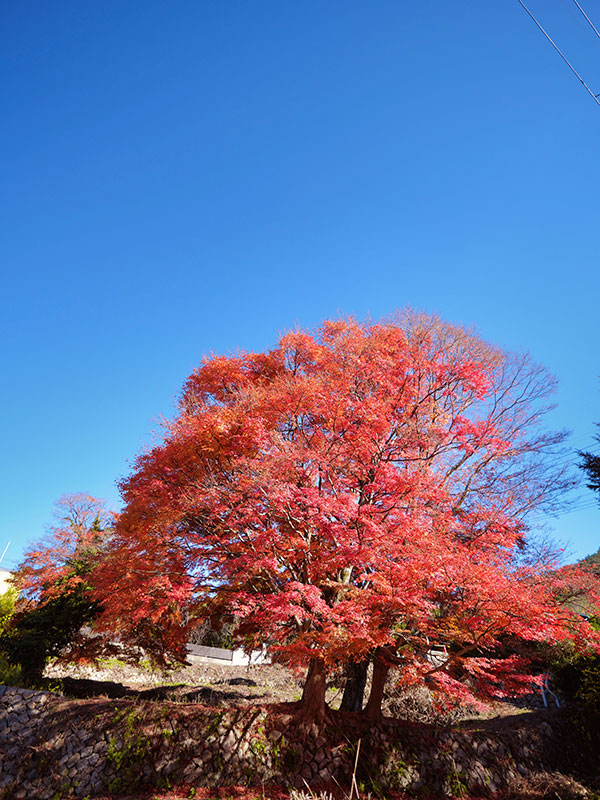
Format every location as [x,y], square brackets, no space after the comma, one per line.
[589,21]
[581,504]
[578,506]
[560,52]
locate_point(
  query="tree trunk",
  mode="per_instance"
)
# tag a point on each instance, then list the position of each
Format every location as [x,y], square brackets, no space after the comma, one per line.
[356,679]
[381,667]
[311,710]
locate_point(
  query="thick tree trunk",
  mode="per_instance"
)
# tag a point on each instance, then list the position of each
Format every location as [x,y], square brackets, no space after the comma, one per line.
[354,691]
[381,667]
[311,710]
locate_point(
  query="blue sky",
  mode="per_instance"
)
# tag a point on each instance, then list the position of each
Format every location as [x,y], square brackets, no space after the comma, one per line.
[188,177]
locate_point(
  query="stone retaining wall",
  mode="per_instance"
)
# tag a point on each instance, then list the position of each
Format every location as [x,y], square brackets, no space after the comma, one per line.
[50,745]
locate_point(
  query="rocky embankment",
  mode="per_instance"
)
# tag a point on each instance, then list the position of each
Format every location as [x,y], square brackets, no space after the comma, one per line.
[51,745]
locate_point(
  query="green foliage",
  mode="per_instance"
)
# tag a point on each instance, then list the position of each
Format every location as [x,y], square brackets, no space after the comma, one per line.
[589,684]
[577,678]
[7,607]
[258,747]
[129,754]
[215,722]
[61,793]
[592,562]
[456,783]
[39,632]
[55,599]
[10,675]
[111,663]
[590,463]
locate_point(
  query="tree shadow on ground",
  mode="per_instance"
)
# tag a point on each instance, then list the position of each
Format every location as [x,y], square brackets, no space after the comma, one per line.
[82,688]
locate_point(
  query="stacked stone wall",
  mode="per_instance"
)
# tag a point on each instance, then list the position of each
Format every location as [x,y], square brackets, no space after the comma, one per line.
[51,746]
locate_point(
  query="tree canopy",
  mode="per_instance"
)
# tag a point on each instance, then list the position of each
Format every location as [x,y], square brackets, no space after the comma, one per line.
[592,562]
[590,464]
[55,596]
[361,489]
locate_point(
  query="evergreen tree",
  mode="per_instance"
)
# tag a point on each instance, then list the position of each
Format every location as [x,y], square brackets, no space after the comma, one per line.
[590,464]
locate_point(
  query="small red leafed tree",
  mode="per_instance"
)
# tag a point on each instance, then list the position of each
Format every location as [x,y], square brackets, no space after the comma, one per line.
[55,594]
[59,563]
[357,492]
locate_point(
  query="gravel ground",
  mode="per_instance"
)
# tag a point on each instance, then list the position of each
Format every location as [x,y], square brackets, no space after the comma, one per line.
[213,684]
[208,683]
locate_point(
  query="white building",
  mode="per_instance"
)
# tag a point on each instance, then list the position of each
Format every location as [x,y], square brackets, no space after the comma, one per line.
[4,584]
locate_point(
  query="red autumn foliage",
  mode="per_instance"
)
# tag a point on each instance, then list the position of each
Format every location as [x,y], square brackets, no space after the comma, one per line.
[359,490]
[59,563]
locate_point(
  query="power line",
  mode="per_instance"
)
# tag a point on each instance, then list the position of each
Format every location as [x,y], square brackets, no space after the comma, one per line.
[577,508]
[590,23]
[559,51]
[540,516]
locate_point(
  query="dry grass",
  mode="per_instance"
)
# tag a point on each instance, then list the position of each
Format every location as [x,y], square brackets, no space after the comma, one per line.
[548,786]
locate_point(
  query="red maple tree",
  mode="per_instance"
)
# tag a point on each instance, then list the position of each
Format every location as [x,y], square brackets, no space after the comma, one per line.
[357,492]
[59,562]
[55,594]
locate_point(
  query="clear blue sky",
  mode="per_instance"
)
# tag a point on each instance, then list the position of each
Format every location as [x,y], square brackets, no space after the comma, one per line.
[186,177]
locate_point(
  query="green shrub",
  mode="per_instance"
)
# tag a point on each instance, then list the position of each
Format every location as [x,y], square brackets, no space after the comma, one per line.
[37,633]
[577,678]
[7,607]
[10,675]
